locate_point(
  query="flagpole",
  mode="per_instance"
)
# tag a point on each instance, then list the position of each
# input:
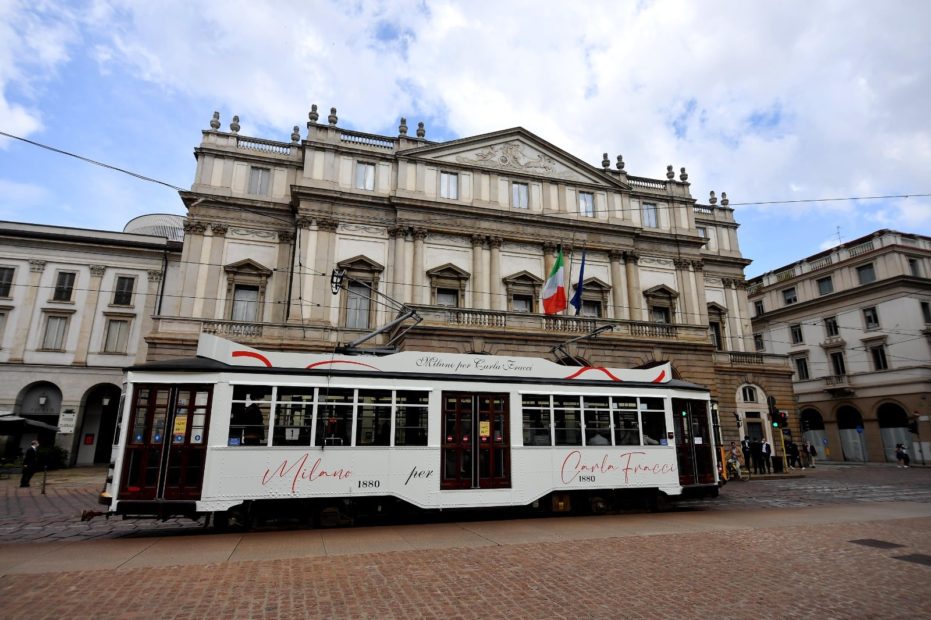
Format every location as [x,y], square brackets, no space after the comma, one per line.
[565,311]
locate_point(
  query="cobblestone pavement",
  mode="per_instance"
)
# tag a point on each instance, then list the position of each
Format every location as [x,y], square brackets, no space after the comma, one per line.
[798,571]
[30,516]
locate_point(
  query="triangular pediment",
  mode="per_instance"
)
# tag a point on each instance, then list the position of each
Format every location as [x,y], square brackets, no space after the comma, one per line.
[661,291]
[716,308]
[523,277]
[360,263]
[448,271]
[515,152]
[248,266]
[593,284]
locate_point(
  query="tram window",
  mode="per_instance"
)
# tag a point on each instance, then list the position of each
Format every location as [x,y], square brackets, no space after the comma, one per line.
[626,428]
[652,404]
[292,423]
[654,427]
[536,401]
[334,422]
[567,420]
[597,417]
[295,395]
[249,415]
[159,416]
[411,418]
[537,426]
[373,420]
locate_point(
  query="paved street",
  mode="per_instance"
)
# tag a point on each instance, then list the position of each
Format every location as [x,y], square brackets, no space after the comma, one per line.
[766,548]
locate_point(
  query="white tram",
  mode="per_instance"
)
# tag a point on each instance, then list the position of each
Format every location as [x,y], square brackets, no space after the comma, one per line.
[237,432]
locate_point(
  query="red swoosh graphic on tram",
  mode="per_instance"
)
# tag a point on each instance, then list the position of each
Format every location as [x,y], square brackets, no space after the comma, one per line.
[315,364]
[253,355]
[660,378]
[585,369]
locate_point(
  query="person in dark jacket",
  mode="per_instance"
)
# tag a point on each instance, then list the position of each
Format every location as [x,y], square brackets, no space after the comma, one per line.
[756,455]
[30,462]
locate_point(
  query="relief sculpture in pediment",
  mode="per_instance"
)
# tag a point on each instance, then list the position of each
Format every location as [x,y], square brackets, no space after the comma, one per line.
[510,156]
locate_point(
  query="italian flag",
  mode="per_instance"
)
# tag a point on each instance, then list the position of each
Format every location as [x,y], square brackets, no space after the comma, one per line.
[554,291]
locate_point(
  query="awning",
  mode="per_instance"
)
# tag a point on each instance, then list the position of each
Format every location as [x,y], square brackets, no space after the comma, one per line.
[9,418]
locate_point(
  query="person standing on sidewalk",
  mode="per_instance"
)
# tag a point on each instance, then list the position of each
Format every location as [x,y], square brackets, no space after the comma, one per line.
[810,450]
[30,461]
[767,456]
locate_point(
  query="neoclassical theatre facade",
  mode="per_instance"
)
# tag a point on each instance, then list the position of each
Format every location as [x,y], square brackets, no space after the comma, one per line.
[314,243]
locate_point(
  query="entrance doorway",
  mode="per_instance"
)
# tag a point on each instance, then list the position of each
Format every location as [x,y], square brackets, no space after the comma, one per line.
[694,442]
[476,451]
[167,442]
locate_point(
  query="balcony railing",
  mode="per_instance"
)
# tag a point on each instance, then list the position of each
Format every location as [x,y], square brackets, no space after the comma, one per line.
[746,358]
[863,248]
[231,328]
[646,183]
[820,263]
[836,381]
[265,146]
[366,139]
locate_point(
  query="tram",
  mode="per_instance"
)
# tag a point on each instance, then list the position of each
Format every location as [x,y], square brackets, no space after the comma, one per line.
[237,432]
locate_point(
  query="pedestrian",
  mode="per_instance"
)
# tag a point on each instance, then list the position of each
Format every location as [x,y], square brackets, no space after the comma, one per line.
[745,448]
[794,455]
[30,461]
[767,449]
[756,456]
[901,455]
[733,459]
[809,449]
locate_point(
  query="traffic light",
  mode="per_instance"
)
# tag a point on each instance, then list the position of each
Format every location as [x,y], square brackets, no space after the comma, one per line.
[913,427]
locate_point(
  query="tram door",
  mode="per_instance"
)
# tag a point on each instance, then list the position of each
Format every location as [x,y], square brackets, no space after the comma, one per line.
[694,442]
[476,450]
[166,444]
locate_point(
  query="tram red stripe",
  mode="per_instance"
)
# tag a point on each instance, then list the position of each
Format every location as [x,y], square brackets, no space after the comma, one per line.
[253,355]
[587,368]
[660,378]
[315,364]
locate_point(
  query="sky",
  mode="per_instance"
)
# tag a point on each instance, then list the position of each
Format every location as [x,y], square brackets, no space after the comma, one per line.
[770,101]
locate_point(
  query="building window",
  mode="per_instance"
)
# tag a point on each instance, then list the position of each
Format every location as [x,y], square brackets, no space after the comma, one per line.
[758,342]
[64,286]
[523,291]
[659,314]
[520,195]
[358,305]
[6,281]
[926,311]
[866,274]
[830,327]
[758,307]
[801,367]
[365,175]
[702,232]
[716,340]
[590,308]
[661,301]
[871,318]
[449,185]
[796,333]
[3,315]
[749,394]
[825,286]
[586,204]
[259,181]
[878,353]
[123,295]
[56,327]
[522,303]
[117,336]
[358,309]
[789,296]
[448,297]
[914,267]
[649,215]
[837,364]
[245,303]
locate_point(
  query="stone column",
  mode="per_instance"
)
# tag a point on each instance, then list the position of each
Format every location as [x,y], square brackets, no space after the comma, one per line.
[733,330]
[26,311]
[689,312]
[744,334]
[302,278]
[324,261]
[421,292]
[192,263]
[618,286]
[89,315]
[634,295]
[479,281]
[549,257]
[497,297]
[276,291]
[398,288]
[698,271]
[214,291]
[148,312]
